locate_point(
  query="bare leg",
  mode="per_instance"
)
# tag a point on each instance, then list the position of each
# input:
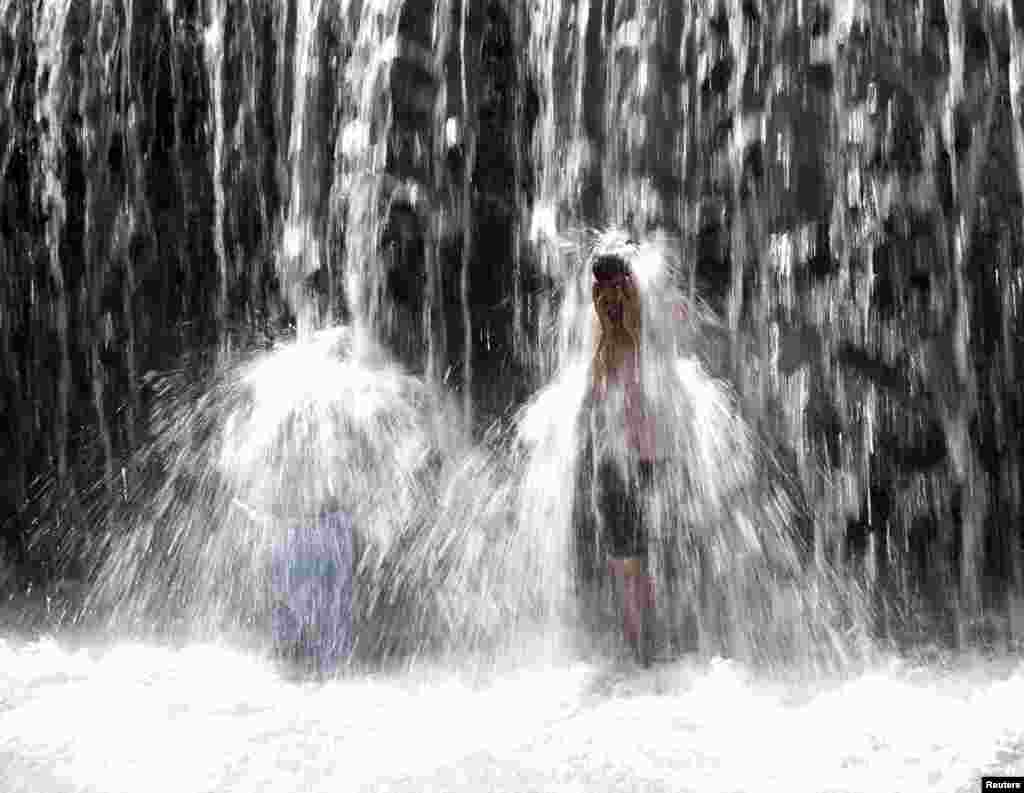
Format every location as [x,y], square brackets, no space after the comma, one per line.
[636,598]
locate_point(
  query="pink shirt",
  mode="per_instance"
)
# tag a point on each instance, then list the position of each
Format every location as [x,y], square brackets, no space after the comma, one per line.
[639,426]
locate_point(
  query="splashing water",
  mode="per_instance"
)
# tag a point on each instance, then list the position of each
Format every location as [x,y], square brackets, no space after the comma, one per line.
[320,424]
[81,720]
[498,557]
[463,548]
[724,537]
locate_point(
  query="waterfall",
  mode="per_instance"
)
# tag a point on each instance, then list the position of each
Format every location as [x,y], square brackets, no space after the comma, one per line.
[838,184]
[265,262]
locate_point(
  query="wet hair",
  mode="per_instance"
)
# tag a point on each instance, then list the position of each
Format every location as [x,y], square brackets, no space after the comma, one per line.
[609,266]
[611,347]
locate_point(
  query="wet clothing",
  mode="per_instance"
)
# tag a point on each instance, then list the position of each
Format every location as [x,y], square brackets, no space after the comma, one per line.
[620,508]
[312,576]
[615,470]
[638,430]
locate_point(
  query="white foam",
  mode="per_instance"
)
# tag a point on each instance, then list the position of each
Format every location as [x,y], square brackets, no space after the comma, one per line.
[135,717]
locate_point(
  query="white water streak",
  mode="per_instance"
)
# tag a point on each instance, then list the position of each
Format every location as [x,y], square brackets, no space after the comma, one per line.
[214,43]
[300,255]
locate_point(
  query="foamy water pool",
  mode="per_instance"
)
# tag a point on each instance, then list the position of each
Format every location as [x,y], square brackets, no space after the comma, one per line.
[139,718]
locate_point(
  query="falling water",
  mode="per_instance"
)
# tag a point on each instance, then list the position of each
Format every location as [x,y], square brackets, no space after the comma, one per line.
[49,114]
[364,149]
[300,254]
[214,45]
[821,205]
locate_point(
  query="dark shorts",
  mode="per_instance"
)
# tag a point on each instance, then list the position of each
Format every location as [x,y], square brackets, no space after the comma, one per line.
[621,507]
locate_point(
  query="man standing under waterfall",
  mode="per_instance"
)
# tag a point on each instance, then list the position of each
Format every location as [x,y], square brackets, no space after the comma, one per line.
[312,577]
[620,445]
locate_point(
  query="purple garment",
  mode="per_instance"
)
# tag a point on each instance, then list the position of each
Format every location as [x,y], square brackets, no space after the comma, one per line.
[311,574]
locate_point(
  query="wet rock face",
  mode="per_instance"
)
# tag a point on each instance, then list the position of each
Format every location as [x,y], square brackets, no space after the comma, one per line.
[843,180]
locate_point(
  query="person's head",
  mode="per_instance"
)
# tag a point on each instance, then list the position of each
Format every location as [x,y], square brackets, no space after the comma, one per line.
[616,299]
[615,296]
